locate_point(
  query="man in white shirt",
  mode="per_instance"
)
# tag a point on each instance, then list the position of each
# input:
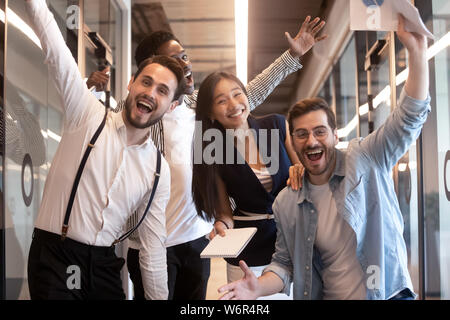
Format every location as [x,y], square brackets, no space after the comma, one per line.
[72,256]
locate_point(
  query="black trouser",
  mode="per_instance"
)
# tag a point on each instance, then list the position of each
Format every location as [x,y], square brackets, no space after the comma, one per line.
[187,273]
[135,273]
[70,270]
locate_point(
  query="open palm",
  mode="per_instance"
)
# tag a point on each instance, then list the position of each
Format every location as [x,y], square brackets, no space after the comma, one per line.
[243,289]
[307,37]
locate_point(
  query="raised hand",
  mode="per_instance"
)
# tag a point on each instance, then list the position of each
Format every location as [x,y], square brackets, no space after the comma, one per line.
[306,37]
[412,41]
[244,289]
[99,79]
[417,83]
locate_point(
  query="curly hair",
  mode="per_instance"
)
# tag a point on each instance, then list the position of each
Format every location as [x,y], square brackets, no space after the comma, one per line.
[149,46]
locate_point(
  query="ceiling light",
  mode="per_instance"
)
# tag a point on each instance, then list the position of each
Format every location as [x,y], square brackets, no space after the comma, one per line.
[241,38]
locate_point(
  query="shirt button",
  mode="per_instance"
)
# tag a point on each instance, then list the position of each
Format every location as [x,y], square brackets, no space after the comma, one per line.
[312,211]
[305,293]
[307,267]
[309,239]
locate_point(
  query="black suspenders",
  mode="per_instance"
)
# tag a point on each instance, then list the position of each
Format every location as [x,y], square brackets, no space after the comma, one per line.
[91,144]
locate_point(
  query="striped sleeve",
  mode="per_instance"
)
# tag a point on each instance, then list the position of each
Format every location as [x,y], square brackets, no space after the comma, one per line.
[264,83]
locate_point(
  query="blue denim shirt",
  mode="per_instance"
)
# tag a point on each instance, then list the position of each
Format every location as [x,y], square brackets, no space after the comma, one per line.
[365,197]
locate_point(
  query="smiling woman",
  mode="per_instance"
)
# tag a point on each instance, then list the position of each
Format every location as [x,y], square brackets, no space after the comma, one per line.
[246,176]
[230,106]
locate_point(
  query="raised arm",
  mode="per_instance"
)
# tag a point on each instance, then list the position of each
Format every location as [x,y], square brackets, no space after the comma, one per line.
[263,84]
[417,83]
[62,66]
[152,235]
[390,142]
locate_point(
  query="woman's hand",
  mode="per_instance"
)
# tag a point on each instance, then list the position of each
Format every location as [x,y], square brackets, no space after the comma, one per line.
[219,228]
[306,37]
[296,173]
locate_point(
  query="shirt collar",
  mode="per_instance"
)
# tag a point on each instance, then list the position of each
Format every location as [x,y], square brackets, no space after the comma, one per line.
[119,124]
[338,174]
[118,120]
[339,169]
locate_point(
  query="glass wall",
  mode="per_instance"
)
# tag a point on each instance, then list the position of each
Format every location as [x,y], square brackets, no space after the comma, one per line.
[441,27]
[436,146]
[33,127]
[344,75]
[104,18]
[339,90]
[2,152]
[28,100]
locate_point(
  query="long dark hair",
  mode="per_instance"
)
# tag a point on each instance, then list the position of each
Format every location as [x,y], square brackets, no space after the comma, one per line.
[204,176]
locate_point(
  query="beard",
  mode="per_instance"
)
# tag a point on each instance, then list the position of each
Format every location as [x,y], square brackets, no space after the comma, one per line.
[329,154]
[128,107]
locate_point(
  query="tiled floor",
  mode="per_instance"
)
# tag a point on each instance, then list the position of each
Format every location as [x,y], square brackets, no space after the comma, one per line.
[217,278]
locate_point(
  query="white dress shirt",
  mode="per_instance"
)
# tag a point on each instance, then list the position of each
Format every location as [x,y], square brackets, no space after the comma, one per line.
[117,179]
[183,222]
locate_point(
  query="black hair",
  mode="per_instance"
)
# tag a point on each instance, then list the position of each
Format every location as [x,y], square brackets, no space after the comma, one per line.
[204,176]
[149,46]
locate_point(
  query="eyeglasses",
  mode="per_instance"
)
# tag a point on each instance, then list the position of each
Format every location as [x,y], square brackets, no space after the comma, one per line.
[318,133]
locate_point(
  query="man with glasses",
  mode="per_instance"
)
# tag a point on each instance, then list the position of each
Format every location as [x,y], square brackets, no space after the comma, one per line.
[341,235]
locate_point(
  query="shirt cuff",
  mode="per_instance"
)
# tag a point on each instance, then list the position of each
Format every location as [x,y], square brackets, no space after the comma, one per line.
[282,273]
[290,61]
[422,107]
